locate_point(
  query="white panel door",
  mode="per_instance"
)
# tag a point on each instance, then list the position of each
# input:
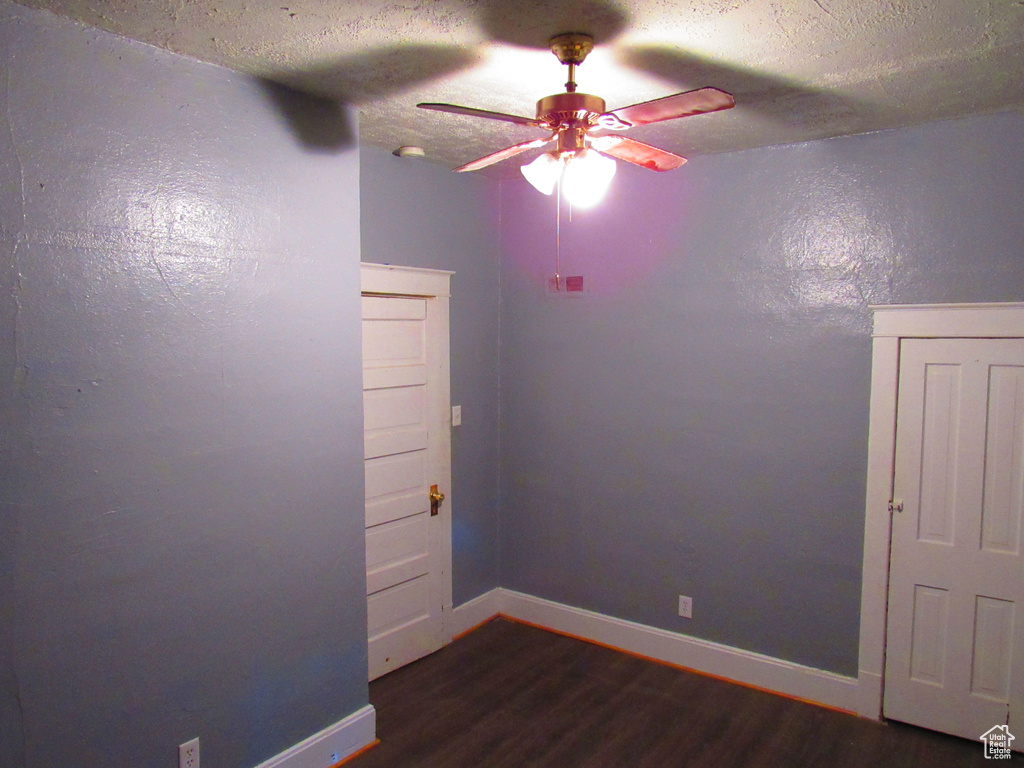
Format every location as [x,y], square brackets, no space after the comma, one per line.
[407,450]
[955,628]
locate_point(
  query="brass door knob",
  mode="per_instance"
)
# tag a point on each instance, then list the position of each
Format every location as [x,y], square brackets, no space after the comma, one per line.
[436,497]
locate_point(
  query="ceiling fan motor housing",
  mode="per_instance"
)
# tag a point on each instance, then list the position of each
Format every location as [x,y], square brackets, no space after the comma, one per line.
[570,114]
[570,107]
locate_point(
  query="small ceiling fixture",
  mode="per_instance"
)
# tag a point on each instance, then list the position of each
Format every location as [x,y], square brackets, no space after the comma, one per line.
[576,121]
[409,152]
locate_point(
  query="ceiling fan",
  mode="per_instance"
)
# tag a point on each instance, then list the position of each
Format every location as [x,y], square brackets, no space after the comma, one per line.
[575,121]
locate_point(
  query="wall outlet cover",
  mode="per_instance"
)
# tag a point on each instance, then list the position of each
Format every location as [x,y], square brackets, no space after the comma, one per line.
[188,754]
[686,607]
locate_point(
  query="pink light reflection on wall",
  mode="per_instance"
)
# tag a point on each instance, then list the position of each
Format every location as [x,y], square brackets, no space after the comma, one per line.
[614,246]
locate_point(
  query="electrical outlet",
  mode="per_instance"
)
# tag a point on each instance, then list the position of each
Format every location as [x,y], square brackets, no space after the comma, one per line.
[188,754]
[686,607]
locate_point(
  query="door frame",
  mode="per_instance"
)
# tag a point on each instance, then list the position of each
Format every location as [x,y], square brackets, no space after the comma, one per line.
[892,323]
[434,284]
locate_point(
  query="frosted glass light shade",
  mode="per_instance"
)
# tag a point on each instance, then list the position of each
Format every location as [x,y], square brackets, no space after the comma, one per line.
[587,176]
[543,172]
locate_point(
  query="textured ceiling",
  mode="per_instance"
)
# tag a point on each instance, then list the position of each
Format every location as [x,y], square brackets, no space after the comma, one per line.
[799,69]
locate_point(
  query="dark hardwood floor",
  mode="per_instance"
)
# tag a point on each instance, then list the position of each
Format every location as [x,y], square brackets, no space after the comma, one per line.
[509,695]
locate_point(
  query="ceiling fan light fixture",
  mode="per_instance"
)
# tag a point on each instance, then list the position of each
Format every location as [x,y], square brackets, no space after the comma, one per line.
[543,172]
[587,176]
[572,117]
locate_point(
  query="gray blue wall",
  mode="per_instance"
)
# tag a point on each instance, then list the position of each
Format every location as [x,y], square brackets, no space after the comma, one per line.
[697,423]
[181,538]
[422,215]
[181,535]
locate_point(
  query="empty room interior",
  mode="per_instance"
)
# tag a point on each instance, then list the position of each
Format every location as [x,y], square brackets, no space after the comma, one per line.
[695,397]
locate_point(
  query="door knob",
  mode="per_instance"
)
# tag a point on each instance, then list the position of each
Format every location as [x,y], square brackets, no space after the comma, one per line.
[436,497]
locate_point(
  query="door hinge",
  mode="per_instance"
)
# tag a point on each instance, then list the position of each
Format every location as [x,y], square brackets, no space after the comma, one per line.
[895,505]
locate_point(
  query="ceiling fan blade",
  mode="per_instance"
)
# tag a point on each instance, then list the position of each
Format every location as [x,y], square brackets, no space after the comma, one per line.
[668,108]
[636,152]
[473,112]
[503,154]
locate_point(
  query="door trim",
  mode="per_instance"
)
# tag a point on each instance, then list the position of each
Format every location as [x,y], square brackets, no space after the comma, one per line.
[891,324]
[392,280]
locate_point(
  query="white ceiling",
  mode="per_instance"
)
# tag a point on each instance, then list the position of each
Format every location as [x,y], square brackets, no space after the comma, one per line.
[799,69]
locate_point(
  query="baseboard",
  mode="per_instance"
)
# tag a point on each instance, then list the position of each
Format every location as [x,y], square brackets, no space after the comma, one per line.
[737,665]
[331,745]
[472,614]
[870,695]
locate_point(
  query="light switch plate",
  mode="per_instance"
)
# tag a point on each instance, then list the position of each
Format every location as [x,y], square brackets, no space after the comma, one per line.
[456,415]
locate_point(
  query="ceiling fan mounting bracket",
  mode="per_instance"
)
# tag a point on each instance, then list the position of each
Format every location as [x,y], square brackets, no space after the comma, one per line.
[571,47]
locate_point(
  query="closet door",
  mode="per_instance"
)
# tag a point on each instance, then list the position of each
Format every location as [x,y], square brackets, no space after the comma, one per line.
[955,630]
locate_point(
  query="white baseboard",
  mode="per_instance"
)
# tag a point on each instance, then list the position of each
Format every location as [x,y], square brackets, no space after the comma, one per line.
[474,613]
[358,730]
[332,745]
[870,695]
[735,664]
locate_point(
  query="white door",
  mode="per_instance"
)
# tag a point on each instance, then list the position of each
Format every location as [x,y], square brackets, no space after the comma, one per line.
[407,451]
[955,627]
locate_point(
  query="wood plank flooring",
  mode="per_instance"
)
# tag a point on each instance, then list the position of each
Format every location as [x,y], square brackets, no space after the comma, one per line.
[509,695]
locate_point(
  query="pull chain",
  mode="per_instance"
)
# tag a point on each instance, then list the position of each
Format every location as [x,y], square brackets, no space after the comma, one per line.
[558,234]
